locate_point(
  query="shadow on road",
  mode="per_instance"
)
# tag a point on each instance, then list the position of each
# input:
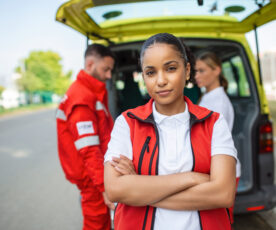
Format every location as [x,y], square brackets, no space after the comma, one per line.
[250,222]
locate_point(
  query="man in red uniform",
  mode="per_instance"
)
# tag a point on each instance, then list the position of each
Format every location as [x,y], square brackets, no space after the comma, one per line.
[84,125]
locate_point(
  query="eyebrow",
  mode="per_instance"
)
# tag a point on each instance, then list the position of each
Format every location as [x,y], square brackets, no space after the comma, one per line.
[170,62]
[167,63]
[148,67]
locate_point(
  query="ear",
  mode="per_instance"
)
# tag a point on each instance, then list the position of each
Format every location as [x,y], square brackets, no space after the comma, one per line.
[188,71]
[89,62]
[217,70]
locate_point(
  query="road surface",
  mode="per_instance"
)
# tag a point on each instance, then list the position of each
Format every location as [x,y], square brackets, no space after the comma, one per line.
[34,194]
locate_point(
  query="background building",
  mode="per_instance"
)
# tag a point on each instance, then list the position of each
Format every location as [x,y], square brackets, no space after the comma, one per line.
[268,66]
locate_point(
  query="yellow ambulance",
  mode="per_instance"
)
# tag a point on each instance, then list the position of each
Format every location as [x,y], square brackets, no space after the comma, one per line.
[205,25]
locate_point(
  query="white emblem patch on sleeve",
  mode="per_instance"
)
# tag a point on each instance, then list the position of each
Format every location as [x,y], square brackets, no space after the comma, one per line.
[85,127]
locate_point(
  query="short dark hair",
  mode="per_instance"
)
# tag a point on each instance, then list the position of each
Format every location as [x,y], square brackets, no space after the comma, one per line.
[98,50]
[170,39]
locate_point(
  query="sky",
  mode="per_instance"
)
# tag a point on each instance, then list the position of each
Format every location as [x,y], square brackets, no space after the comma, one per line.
[29,25]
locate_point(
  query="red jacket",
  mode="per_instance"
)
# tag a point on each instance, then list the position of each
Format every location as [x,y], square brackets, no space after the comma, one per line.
[84,124]
[145,143]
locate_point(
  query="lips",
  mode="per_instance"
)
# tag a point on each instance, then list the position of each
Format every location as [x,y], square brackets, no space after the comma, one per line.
[198,82]
[164,93]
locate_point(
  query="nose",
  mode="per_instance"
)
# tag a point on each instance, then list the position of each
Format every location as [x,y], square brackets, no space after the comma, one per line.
[161,79]
[197,75]
[108,75]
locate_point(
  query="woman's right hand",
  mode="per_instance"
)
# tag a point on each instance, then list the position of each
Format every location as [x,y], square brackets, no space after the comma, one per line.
[123,165]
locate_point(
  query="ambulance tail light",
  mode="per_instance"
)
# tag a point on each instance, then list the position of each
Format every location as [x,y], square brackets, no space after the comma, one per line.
[266,138]
[256,208]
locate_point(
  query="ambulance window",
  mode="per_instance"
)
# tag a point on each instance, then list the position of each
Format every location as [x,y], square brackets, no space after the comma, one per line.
[244,90]
[227,71]
[234,72]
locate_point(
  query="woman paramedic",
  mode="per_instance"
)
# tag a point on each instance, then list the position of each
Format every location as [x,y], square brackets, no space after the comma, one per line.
[209,75]
[170,164]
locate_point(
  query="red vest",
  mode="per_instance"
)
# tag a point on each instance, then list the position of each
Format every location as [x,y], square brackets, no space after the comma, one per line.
[145,143]
[90,92]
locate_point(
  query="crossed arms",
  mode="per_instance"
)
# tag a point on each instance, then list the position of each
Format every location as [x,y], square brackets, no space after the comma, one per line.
[180,191]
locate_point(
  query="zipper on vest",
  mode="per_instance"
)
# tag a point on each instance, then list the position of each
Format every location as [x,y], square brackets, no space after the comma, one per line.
[200,222]
[228,214]
[145,218]
[145,147]
[150,120]
[194,120]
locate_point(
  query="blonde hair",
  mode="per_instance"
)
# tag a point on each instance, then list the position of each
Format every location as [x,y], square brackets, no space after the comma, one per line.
[213,61]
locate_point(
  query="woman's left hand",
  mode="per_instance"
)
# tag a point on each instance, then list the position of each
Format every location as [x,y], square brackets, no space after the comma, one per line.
[123,165]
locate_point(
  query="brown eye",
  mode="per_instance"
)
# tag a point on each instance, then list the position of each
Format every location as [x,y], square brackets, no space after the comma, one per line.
[171,68]
[149,73]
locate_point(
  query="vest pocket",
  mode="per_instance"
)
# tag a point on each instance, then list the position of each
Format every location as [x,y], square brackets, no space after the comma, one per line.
[144,148]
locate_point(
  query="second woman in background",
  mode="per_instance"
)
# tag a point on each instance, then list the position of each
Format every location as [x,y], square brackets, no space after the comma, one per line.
[209,75]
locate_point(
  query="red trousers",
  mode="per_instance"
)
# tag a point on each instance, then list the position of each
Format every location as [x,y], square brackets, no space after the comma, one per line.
[96,215]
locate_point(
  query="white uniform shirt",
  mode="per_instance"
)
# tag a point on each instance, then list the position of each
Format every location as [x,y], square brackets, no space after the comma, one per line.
[218,101]
[175,155]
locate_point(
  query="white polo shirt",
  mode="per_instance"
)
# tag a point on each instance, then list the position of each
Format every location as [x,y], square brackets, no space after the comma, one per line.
[175,155]
[218,101]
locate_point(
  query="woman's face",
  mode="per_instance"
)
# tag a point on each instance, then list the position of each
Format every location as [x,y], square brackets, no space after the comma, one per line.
[164,74]
[206,76]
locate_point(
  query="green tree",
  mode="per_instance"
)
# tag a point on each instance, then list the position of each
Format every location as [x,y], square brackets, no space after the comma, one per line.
[1,90]
[29,82]
[62,83]
[42,71]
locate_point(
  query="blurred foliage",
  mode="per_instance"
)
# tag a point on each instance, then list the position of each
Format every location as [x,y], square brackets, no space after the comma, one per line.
[42,71]
[25,108]
[1,90]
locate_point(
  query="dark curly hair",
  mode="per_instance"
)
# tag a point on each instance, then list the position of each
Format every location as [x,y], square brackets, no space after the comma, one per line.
[179,46]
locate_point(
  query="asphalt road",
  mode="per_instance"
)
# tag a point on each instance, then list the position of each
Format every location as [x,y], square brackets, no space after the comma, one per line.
[34,194]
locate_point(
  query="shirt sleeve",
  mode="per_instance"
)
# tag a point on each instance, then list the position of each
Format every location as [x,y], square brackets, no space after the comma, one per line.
[222,141]
[83,124]
[120,143]
[227,111]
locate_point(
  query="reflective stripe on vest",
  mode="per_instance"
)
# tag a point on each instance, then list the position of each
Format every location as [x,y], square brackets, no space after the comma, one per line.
[100,106]
[61,115]
[87,141]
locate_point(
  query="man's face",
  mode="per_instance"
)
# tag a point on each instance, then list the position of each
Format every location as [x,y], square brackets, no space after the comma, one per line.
[101,68]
